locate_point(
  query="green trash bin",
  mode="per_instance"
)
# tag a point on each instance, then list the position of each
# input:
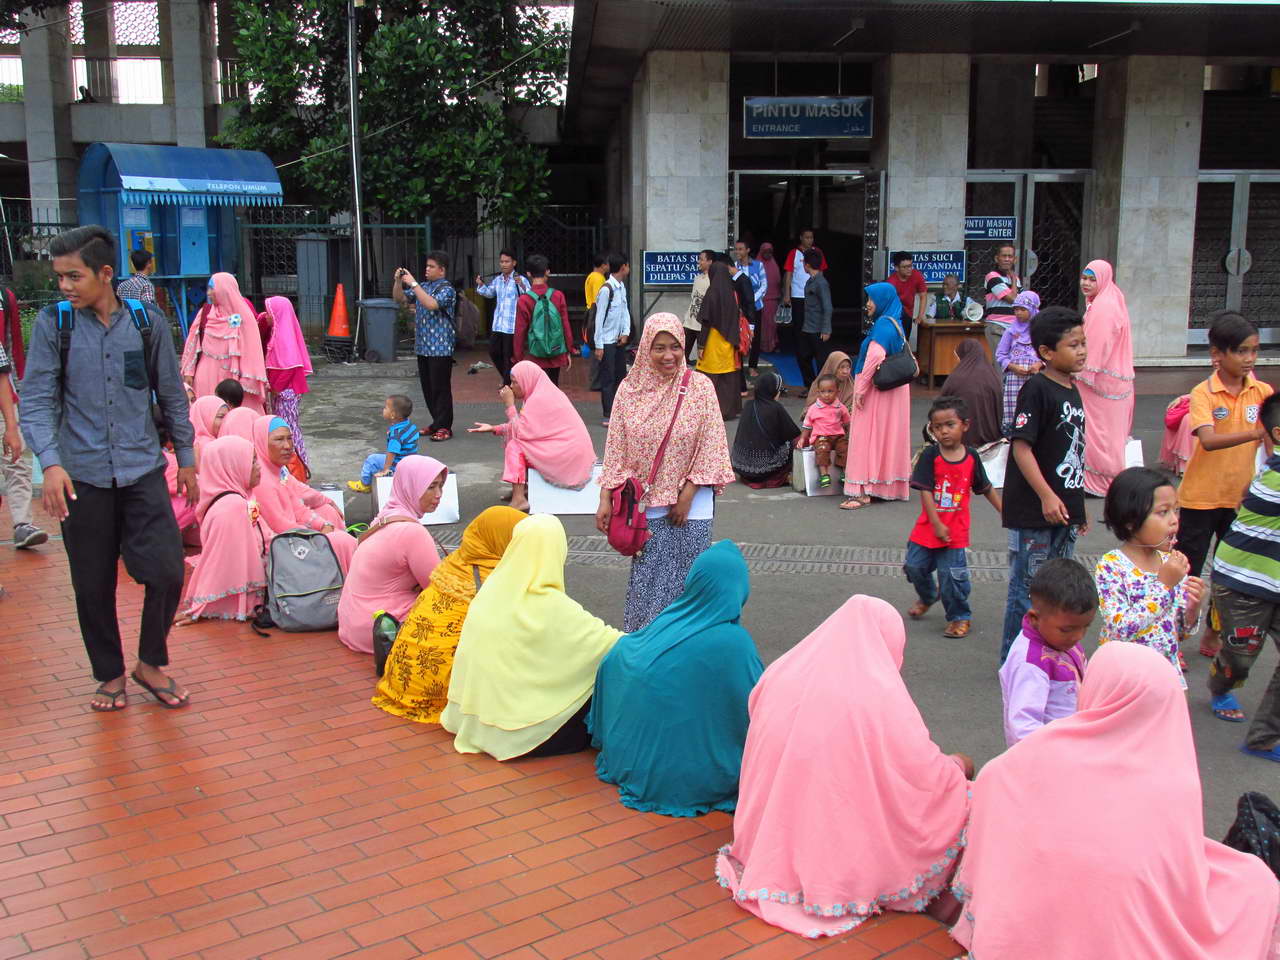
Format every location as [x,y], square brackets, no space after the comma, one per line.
[380,317]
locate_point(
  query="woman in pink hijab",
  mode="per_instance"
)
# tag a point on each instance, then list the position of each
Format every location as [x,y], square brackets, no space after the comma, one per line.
[207,414]
[224,343]
[1106,382]
[287,503]
[547,434]
[288,366]
[238,423]
[396,555]
[1088,836]
[846,807]
[229,577]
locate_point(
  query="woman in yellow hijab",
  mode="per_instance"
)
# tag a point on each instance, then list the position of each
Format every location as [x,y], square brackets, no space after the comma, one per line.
[415,684]
[526,663]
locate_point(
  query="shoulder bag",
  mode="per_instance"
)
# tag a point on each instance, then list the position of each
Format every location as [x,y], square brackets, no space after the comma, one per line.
[628,525]
[897,369]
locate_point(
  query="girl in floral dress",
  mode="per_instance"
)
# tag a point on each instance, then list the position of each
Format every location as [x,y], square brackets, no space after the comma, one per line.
[1144,591]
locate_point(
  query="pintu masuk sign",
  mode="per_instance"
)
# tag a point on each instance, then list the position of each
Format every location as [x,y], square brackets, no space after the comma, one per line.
[806,118]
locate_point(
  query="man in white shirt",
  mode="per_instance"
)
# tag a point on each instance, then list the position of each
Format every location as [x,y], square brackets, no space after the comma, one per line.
[692,325]
[794,278]
[613,330]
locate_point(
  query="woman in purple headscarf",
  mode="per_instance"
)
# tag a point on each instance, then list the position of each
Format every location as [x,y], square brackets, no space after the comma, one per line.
[1015,354]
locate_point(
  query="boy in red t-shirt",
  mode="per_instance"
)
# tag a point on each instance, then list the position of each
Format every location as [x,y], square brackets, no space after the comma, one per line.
[946,475]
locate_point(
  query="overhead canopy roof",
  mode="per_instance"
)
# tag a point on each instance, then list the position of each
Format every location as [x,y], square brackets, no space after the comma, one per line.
[611,37]
[189,176]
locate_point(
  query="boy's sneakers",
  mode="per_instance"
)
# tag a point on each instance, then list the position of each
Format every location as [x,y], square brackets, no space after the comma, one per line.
[358,486]
[28,535]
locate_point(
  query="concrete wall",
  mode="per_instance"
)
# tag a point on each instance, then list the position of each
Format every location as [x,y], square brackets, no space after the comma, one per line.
[1146,155]
[680,161]
[922,141]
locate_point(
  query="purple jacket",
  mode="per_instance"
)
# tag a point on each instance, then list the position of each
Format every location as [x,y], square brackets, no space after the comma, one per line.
[1039,683]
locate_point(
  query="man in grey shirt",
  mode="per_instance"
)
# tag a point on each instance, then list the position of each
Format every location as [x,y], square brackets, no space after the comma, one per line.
[816,331]
[91,426]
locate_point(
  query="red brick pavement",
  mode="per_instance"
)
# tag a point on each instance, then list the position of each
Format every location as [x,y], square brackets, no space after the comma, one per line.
[283,816]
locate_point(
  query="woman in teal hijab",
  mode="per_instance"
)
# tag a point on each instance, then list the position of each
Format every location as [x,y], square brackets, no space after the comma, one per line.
[669,712]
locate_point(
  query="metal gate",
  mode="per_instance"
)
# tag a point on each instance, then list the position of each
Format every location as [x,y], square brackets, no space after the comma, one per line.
[1236,259]
[1052,210]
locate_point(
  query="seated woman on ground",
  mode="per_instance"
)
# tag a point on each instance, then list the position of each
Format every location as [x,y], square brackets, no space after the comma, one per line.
[415,683]
[761,454]
[669,713]
[229,577]
[206,416]
[395,556]
[846,806]
[1104,807]
[526,663]
[286,502]
[546,434]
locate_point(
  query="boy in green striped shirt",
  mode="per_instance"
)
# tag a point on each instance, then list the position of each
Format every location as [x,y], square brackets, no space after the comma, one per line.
[1246,593]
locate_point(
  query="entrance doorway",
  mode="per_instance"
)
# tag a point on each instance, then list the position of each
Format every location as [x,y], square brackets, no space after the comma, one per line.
[1236,259]
[1052,210]
[844,208]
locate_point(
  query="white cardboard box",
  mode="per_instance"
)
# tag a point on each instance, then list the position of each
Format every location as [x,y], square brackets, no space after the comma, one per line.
[546,498]
[447,512]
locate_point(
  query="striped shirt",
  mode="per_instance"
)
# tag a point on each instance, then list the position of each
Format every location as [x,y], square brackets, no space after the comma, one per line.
[1248,557]
[507,290]
[137,287]
[402,440]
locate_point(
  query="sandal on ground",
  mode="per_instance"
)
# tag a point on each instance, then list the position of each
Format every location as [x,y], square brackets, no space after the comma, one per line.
[119,699]
[1227,707]
[957,629]
[1272,754]
[855,503]
[171,690]
[1182,662]
[918,609]
[442,434]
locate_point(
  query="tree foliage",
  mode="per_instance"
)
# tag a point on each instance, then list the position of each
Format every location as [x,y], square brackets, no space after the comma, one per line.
[440,84]
[11,11]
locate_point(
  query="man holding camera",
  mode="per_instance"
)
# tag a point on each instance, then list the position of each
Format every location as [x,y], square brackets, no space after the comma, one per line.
[434,334]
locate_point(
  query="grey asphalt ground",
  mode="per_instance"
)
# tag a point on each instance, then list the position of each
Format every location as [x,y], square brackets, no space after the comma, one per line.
[806,558]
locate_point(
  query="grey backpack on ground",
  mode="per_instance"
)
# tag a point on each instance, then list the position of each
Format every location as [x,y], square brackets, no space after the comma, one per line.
[304,581]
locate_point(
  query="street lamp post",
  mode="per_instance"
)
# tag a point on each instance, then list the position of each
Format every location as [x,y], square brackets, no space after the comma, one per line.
[357,207]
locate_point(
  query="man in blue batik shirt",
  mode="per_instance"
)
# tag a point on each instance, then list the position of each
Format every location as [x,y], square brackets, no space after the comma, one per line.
[506,286]
[434,333]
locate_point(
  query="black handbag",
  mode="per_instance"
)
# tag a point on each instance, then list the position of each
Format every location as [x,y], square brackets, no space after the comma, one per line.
[898,368]
[1257,829]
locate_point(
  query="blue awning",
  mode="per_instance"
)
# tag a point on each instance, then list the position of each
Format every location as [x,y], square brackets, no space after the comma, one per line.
[188,176]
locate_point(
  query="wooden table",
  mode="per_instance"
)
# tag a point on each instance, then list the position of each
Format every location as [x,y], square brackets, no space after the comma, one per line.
[936,345]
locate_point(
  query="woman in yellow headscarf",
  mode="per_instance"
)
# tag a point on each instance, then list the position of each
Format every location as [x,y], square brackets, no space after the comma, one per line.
[415,684]
[526,663]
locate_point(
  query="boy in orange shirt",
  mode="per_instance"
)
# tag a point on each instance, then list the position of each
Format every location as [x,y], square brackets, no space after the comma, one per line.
[1224,419]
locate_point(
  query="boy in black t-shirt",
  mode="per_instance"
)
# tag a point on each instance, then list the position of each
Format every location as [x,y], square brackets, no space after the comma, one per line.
[948,475]
[1044,486]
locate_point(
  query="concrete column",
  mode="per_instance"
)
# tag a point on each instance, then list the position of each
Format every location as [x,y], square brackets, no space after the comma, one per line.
[1002,121]
[922,143]
[100,50]
[1146,161]
[190,36]
[680,157]
[47,94]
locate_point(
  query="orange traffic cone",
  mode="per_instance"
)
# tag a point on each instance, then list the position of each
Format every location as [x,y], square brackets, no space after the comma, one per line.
[339,325]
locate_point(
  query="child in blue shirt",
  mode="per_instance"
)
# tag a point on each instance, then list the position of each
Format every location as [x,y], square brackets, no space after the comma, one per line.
[402,440]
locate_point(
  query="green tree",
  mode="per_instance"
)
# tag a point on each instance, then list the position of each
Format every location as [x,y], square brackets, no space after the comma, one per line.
[440,83]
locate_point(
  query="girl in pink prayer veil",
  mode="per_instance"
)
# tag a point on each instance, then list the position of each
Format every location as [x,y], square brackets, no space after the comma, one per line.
[223,342]
[1106,382]
[288,366]
[229,577]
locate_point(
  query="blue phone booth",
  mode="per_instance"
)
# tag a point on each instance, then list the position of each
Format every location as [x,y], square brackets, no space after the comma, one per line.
[177,202]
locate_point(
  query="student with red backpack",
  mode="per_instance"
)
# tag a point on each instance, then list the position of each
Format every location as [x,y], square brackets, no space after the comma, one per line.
[543,334]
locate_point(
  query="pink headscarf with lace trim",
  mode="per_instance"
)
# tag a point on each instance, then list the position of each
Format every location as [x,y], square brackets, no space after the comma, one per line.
[1088,835]
[550,430]
[846,807]
[230,336]
[1106,382]
[287,350]
[642,410]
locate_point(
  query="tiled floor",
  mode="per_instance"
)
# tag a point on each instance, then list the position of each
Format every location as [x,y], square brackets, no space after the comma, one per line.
[283,816]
